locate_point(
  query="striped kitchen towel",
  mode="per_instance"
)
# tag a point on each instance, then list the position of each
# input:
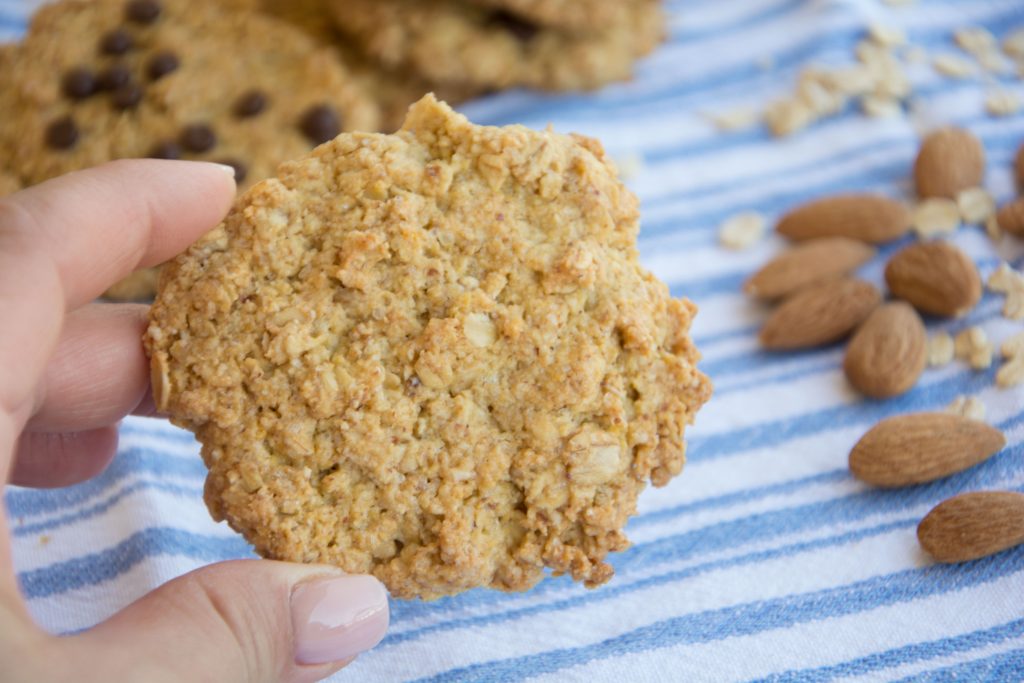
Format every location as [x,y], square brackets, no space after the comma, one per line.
[765,559]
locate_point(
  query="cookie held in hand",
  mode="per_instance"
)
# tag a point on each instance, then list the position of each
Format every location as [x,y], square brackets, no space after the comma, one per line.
[430,356]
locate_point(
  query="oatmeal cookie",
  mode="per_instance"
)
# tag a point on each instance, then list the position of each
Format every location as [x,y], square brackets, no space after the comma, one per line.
[431,356]
[96,80]
[574,15]
[453,41]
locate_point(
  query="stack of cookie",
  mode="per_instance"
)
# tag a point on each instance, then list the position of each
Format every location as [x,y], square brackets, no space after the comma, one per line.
[254,83]
[461,48]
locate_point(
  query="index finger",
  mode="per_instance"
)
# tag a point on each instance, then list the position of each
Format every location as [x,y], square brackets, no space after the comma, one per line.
[99,225]
[65,241]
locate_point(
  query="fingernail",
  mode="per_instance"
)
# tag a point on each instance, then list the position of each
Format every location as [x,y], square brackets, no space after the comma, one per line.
[337,618]
[230,170]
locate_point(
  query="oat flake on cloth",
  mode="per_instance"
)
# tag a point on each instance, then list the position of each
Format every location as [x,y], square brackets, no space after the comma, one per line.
[765,559]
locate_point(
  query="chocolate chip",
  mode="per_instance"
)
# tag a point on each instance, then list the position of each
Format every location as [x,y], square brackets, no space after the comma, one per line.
[114,77]
[198,137]
[320,123]
[142,11]
[79,83]
[517,26]
[161,64]
[62,133]
[127,96]
[117,42]
[250,104]
[168,149]
[240,168]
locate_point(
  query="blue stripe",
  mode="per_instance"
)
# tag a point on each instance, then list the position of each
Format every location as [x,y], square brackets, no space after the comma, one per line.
[908,654]
[774,201]
[616,590]
[25,502]
[735,533]
[700,229]
[100,567]
[776,432]
[193,493]
[756,617]
[138,427]
[1001,668]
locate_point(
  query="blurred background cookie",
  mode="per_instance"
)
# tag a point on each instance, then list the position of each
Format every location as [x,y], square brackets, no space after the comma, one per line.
[454,41]
[392,89]
[173,79]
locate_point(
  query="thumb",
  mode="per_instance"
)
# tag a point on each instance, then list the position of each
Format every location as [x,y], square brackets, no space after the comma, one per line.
[247,620]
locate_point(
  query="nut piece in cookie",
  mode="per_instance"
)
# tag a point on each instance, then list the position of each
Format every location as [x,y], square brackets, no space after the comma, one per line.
[431,356]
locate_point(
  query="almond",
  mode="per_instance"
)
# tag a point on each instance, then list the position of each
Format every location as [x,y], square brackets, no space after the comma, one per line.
[820,314]
[888,353]
[1011,217]
[935,277]
[1018,168]
[973,525]
[820,259]
[921,447]
[865,217]
[950,161]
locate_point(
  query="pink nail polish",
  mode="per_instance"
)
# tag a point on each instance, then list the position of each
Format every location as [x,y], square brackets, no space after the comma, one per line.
[335,618]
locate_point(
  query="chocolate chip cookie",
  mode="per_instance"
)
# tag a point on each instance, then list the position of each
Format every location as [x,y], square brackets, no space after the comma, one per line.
[431,356]
[96,80]
[392,89]
[454,41]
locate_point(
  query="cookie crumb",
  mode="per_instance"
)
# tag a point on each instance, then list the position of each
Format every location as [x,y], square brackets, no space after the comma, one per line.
[736,119]
[741,230]
[1006,280]
[972,345]
[888,36]
[970,407]
[952,66]
[935,216]
[1011,373]
[1001,103]
[976,205]
[940,350]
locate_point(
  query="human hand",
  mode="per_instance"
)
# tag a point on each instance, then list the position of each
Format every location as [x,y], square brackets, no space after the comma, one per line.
[69,370]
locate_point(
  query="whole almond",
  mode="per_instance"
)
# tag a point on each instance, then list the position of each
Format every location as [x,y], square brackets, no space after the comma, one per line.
[973,525]
[921,447]
[865,217]
[950,161]
[888,353]
[935,277]
[1011,217]
[804,264]
[820,314]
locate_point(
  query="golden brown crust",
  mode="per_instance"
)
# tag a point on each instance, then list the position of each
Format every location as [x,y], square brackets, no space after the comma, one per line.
[451,41]
[431,356]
